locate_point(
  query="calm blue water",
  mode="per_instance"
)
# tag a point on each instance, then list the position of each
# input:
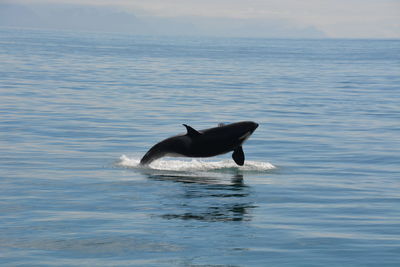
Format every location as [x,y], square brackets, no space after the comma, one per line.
[321,186]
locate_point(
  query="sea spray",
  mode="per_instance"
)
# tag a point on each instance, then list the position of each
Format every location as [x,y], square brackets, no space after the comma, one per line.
[187,165]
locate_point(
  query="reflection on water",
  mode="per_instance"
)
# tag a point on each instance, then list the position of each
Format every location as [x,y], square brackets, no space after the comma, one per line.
[209,199]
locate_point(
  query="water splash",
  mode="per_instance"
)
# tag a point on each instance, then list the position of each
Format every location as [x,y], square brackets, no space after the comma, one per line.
[188,165]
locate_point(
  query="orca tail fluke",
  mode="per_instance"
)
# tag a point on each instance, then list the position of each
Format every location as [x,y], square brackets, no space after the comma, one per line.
[144,162]
[147,158]
[154,153]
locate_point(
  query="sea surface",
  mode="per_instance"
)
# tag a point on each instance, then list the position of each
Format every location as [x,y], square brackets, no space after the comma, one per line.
[321,182]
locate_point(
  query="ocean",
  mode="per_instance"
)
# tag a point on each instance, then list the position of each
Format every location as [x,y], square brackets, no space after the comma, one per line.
[321,181]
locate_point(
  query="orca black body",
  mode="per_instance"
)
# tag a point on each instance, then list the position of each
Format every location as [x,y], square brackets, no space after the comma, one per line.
[205,143]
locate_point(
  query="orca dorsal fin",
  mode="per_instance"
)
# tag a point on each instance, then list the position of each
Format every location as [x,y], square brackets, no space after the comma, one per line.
[191,131]
[238,156]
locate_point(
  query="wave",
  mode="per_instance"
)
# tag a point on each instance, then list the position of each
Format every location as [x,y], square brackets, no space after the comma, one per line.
[193,165]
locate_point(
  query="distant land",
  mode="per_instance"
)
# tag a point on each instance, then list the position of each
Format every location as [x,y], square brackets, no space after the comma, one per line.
[112,19]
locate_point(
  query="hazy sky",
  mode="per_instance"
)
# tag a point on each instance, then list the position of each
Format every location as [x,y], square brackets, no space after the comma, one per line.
[335,18]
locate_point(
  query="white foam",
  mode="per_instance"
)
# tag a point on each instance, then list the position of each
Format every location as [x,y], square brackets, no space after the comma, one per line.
[187,165]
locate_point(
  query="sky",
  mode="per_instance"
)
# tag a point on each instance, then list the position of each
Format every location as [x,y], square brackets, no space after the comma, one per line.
[327,18]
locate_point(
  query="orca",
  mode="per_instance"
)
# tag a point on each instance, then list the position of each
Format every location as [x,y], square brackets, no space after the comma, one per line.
[204,143]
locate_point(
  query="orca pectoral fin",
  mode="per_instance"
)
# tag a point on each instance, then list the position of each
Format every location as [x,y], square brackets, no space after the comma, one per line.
[238,156]
[191,132]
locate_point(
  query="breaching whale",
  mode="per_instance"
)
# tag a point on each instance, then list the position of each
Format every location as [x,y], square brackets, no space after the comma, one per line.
[204,143]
